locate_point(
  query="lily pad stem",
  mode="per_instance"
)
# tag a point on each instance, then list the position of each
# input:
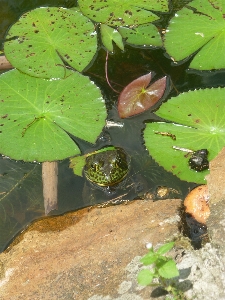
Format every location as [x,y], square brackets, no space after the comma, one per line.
[50,184]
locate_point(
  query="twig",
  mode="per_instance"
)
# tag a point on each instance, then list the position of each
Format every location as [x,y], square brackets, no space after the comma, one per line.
[50,185]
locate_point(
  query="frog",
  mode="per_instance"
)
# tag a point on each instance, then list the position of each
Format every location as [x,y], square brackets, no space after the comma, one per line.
[107,168]
[110,179]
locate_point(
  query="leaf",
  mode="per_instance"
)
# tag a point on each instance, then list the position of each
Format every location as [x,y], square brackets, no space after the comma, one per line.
[200,27]
[137,97]
[77,163]
[122,13]
[168,270]
[109,35]
[149,258]
[145,277]
[34,114]
[143,35]
[198,123]
[42,39]
[165,248]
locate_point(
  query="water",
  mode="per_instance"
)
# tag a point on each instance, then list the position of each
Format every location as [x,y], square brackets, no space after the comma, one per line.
[21,199]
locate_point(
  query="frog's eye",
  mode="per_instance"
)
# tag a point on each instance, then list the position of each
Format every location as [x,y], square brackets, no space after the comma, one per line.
[94,167]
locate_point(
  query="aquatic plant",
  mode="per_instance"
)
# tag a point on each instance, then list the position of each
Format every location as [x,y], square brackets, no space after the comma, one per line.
[43,99]
[46,97]
[138,96]
[125,22]
[198,30]
[195,120]
[44,40]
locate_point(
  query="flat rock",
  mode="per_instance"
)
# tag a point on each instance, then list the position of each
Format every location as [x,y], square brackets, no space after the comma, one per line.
[96,256]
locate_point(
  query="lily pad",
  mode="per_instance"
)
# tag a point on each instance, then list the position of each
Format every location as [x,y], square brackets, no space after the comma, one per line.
[35,112]
[122,13]
[198,27]
[138,96]
[198,123]
[143,35]
[43,39]
[110,35]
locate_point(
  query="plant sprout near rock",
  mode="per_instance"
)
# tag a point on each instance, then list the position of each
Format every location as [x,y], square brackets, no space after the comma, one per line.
[163,268]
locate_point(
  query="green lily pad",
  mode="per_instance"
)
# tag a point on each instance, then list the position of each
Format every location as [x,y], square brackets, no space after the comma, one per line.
[143,35]
[122,13]
[35,112]
[198,27]
[43,39]
[110,35]
[198,123]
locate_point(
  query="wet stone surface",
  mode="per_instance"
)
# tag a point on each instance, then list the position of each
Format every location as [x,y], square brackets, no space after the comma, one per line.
[95,257]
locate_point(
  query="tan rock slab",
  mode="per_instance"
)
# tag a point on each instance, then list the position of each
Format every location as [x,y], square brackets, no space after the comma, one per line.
[216,178]
[96,257]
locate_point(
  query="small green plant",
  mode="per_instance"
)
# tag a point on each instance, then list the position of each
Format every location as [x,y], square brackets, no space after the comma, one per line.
[164,268]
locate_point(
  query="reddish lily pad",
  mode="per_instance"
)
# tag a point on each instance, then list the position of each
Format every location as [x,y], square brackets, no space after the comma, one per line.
[138,96]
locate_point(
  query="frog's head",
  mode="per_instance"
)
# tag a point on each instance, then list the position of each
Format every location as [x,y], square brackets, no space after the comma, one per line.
[107,168]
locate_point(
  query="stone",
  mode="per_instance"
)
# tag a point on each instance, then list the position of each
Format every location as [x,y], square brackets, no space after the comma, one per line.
[97,256]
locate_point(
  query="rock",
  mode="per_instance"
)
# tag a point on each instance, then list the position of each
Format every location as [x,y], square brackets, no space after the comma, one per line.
[204,274]
[96,257]
[215,180]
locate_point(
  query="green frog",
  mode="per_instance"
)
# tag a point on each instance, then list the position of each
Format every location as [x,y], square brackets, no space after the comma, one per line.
[107,168]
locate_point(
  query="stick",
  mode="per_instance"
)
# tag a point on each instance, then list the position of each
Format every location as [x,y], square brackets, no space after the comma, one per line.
[50,184]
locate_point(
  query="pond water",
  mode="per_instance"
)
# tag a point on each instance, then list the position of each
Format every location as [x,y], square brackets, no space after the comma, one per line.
[21,199]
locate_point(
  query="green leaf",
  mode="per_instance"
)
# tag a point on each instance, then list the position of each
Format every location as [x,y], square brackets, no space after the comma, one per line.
[149,258]
[34,113]
[42,39]
[110,35]
[165,248]
[143,35]
[168,270]
[122,13]
[198,123]
[198,27]
[77,163]
[145,277]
